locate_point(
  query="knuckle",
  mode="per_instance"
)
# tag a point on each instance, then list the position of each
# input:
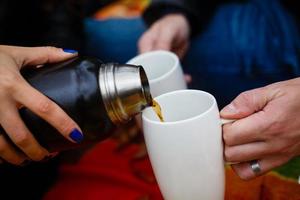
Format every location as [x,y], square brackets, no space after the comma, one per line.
[276,128]
[272,130]
[229,154]
[21,138]
[45,106]
[273,133]
[275,123]
[48,51]
[65,126]
[50,48]
[282,149]
[228,139]
[228,136]
[8,82]
[245,96]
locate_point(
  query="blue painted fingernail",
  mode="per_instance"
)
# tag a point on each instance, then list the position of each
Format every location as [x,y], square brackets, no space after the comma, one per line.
[70,51]
[76,135]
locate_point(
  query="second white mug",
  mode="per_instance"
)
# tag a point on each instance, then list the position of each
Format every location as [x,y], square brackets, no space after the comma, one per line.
[163,70]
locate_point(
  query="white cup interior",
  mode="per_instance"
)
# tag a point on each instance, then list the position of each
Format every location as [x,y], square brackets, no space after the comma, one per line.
[181,105]
[157,64]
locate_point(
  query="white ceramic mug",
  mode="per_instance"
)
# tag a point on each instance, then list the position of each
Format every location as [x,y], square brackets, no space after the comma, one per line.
[163,70]
[186,151]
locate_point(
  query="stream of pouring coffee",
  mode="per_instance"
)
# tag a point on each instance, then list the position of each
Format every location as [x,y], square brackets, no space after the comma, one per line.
[157,109]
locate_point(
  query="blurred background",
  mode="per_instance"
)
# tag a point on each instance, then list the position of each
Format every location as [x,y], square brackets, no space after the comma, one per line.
[119,167]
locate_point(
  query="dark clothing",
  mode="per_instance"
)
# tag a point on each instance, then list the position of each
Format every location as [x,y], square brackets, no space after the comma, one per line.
[200,12]
[197,12]
[238,45]
[39,23]
[36,23]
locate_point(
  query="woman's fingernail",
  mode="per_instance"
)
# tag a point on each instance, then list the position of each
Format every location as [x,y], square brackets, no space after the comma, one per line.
[76,135]
[70,51]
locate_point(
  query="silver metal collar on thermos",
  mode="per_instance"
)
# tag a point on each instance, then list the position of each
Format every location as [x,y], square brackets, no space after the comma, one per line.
[125,91]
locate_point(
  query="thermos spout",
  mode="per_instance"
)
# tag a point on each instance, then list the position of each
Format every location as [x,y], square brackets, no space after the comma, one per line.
[125,91]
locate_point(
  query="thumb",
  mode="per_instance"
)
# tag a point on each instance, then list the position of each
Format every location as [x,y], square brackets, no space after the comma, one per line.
[41,55]
[246,104]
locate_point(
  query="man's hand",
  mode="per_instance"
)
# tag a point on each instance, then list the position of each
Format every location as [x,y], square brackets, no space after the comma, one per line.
[267,129]
[169,33]
[15,92]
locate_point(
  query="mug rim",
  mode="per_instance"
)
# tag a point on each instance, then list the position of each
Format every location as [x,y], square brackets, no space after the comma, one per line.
[144,118]
[162,52]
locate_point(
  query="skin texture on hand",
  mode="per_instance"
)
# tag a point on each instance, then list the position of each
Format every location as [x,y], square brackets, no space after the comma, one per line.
[267,129]
[15,92]
[169,33]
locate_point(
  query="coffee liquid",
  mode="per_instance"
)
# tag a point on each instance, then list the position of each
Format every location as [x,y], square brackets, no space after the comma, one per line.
[157,109]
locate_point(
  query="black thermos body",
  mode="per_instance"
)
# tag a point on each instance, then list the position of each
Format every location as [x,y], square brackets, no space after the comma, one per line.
[96,95]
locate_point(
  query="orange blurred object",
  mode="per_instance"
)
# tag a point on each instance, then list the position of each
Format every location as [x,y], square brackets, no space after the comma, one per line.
[279,188]
[268,187]
[242,190]
[122,8]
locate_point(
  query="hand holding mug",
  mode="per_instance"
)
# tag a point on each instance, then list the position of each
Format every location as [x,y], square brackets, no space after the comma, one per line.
[170,33]
[267,133]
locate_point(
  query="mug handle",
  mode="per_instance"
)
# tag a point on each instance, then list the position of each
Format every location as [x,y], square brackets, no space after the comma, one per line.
[226,121]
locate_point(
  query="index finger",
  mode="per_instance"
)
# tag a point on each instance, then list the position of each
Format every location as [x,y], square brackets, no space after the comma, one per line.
[38,55]
[48,110]
[246,130]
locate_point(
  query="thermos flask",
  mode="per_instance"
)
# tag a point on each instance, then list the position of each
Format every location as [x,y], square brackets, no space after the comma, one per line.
[98,96]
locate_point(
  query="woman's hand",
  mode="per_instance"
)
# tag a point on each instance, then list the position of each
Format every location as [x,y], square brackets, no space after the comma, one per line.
[268,129]
[168,33]
[15,93]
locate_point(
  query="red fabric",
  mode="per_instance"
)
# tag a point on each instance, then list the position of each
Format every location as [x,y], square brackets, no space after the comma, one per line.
[102,173]
[105,174]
